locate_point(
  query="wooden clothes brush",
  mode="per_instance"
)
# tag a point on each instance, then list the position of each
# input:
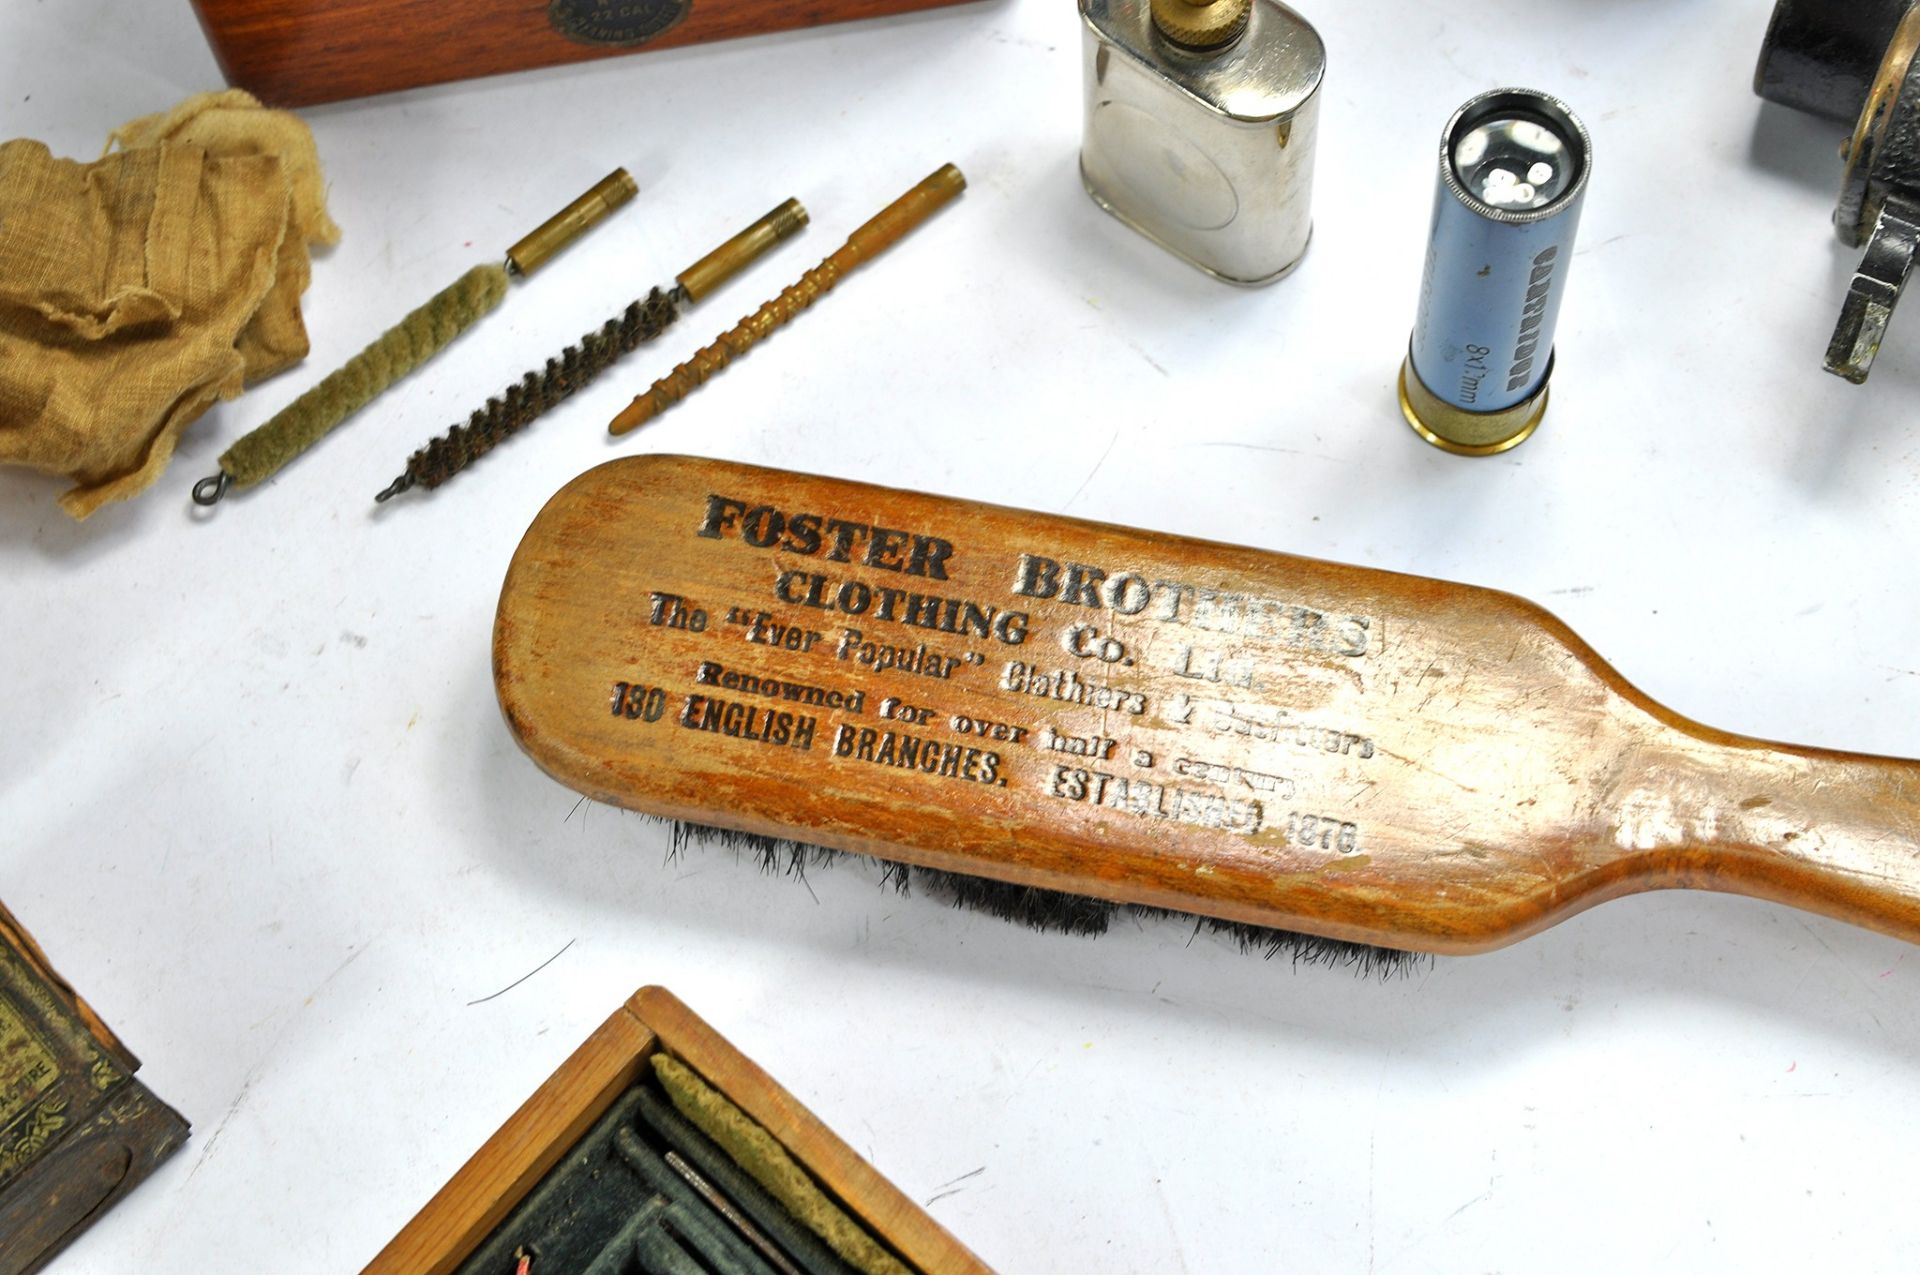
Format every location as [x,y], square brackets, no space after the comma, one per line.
[1040,708]
[265,451]
[574,368]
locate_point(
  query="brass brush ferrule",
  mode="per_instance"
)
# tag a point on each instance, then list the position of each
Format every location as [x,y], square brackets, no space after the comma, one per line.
[609,194]
[741,251]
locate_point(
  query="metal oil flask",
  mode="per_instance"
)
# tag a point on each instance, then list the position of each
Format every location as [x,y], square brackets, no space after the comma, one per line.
[1201,122]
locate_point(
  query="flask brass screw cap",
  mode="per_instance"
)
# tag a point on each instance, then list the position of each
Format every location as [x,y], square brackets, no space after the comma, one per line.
[1202,24]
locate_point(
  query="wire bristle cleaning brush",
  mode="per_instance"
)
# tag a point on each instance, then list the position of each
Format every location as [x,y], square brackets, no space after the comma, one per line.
[1141,719]
[538,392]
[263,452]
[885,229]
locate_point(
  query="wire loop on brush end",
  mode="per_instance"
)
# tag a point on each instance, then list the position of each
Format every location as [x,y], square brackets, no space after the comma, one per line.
[208,491]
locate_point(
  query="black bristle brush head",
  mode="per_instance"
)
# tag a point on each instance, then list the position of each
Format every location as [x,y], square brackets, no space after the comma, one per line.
[1051,911]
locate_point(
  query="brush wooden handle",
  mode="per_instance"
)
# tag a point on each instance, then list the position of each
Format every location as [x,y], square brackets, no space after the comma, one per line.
[880,232]
[1145,718]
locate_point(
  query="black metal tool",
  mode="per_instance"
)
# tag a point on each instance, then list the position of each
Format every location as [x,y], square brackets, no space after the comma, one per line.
[1859,61]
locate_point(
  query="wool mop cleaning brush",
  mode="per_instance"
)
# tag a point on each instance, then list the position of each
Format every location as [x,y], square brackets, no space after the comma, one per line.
[1039,707]
[265,451]
[574,368]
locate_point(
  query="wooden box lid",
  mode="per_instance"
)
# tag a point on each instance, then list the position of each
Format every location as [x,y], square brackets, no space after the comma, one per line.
[299,52]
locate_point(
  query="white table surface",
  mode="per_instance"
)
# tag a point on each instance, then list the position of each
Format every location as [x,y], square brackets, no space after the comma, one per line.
[257,802]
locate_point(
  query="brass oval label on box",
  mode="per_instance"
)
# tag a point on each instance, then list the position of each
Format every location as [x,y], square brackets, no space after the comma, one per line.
[615,21]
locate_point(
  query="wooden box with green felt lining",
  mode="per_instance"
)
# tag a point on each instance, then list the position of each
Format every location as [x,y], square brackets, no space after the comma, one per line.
[575,1171]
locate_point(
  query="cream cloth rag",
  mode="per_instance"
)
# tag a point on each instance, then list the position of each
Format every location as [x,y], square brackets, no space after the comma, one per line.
[140,289]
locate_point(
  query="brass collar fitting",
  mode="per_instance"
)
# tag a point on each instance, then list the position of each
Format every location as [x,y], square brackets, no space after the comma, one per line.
[1455,429]
[1202,24]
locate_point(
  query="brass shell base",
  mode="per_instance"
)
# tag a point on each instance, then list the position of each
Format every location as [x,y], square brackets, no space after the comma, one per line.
[1465,433]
